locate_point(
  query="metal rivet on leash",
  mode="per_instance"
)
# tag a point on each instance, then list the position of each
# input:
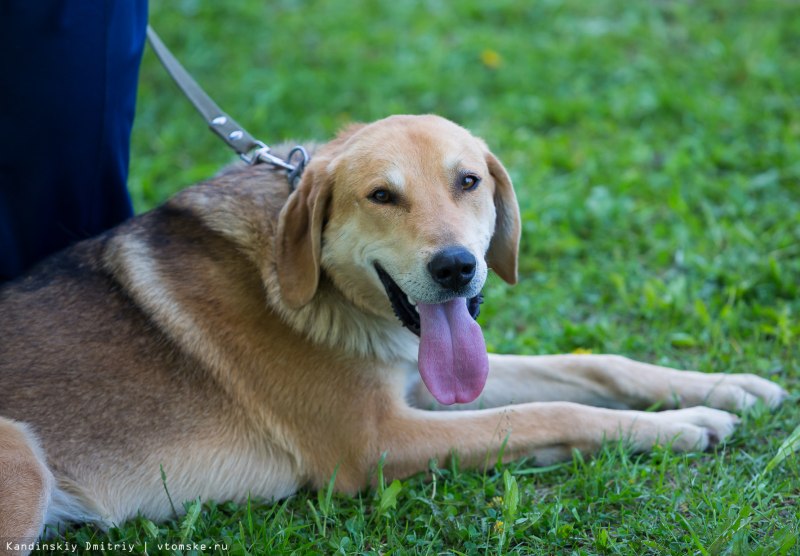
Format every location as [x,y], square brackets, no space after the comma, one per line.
[235,136]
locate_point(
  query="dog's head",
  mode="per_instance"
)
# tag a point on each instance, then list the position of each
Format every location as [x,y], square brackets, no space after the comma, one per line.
[406,215]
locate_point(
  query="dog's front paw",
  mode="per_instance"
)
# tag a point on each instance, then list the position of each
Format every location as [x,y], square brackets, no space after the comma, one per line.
[694,428]
[737,392]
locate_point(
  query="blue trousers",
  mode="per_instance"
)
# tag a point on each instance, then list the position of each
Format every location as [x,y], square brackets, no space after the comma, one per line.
[68,76]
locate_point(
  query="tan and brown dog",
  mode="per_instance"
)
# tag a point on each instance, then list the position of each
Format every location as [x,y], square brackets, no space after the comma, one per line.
[249,341]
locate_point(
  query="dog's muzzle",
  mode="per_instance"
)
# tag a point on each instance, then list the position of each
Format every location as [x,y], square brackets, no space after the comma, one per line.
[405,309]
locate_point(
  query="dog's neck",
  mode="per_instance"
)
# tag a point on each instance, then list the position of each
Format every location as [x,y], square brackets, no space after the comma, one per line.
[330,319]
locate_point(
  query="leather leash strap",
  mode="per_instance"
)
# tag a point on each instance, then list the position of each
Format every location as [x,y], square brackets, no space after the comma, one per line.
[226,128]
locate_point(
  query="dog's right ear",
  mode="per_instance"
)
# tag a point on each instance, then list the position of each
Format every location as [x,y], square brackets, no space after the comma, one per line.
[298,243]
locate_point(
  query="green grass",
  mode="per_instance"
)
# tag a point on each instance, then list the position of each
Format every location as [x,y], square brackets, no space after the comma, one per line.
[655,148]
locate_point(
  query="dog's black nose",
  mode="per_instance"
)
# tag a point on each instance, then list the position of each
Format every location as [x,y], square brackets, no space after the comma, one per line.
[453,267]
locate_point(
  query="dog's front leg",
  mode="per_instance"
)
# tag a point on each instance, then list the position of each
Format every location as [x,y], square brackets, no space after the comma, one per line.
[547,432]
[611,381]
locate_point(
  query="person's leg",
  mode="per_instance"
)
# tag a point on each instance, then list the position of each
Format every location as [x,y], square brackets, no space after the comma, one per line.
[69,71]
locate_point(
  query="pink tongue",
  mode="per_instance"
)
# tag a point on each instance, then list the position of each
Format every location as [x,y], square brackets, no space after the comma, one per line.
[452,354]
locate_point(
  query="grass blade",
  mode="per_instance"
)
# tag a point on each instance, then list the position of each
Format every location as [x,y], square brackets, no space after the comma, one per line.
[789,447]
[188,523]
[389,497]
[164,482]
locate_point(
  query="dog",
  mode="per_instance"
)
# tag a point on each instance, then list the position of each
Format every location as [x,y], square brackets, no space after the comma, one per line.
[250,341]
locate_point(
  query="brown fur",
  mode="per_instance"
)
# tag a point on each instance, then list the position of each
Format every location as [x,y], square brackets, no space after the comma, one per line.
[242,341]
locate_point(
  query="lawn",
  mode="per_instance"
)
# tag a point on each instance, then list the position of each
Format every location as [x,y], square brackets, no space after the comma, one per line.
[655,149]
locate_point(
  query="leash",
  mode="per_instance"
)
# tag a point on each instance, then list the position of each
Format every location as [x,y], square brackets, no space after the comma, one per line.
[249,149]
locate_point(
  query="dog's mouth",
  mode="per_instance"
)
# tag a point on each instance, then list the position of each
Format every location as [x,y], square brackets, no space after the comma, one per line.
[452,358]
[406,310]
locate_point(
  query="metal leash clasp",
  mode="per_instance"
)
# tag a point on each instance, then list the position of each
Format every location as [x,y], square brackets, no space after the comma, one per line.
[261,153]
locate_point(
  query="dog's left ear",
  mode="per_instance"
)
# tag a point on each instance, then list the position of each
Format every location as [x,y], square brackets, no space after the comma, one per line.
[298,242]
[502,254]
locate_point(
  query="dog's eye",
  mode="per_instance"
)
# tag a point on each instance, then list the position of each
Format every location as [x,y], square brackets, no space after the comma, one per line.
[468,182]
[381,196]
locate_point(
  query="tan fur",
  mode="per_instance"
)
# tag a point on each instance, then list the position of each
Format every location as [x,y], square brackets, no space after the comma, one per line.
[25,486]
[240,338]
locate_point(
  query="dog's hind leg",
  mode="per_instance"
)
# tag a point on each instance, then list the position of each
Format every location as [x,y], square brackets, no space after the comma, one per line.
[26,485]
